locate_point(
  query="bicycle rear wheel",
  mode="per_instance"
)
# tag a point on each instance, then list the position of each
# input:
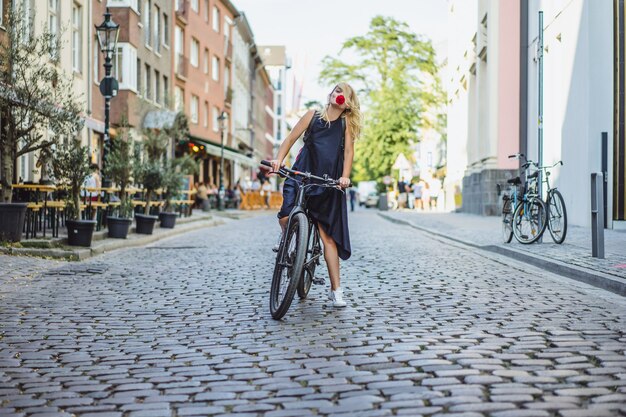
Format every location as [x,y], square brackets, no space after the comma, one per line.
[288,267]
[557,217]
[507,221]
[529,221]
[308,272]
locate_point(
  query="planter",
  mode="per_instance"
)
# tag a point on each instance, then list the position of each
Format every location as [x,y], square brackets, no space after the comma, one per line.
[118,227]
[79,232]
[12,217]
[168,220]
[145,223]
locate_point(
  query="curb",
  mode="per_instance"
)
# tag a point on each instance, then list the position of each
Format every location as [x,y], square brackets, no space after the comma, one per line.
[595,278]
[108,245]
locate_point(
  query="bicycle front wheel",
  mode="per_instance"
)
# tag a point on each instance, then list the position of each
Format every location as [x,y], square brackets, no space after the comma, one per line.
[557,217]
[308,272]
[507,221]
[289,265]
[529,221]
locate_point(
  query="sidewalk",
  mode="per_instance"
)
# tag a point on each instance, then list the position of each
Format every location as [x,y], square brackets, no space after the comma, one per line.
[57,248]
[571,259]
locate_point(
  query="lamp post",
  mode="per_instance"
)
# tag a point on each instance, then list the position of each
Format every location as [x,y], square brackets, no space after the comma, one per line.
[221,192]
[108,33]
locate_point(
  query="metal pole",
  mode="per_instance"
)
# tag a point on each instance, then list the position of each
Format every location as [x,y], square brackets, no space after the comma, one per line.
[540,105]
[605,173]
[597,215]
[221,192]
[107,108]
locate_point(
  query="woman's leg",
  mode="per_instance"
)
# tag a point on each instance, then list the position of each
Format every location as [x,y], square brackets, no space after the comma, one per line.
[283,223]
[332,258]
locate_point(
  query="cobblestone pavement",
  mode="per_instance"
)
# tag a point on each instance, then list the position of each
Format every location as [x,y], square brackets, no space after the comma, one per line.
[486,230]
[182,328]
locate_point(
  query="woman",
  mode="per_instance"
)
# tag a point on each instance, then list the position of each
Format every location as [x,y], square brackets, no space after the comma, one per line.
[328,150]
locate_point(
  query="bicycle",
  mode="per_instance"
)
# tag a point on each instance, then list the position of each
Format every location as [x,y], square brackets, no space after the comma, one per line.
[508,207]
[557,213]
[300,250]
[529,218]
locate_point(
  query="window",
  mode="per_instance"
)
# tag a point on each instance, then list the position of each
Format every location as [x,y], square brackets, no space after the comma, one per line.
[215,121]
[206,114]
[96,57]
[53,27]
[226,79]
[138,77]
[28,10]
[118,65]
[215,72]
[195,52]
[157,87]
[206,10]
[166,30]
[179,45]
[194,5]
[166,90]
[216,19]
[157,29]
[195,104]
[146,22]
[206,61]
[1,12]
[179,99]
[77,38]
[147,81]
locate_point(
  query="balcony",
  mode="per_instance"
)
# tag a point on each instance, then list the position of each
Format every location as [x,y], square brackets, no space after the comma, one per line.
[182,66]
[182,10]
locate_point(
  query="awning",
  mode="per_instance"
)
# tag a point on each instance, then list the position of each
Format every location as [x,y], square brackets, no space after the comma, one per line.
[229,153]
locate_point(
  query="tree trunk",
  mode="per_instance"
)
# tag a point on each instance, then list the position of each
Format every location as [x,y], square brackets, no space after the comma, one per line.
[76,196]
[148,197]
[6,171]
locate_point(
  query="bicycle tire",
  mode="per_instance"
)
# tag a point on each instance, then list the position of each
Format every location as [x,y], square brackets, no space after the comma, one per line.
[528,228]
[304,284]
[557,204]
[290,260]
[507,221]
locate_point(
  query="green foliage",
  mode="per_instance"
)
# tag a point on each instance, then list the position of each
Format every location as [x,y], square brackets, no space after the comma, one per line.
[148,163]
[396,77]
[119,168]
[71,168]
[35,96]
[173,177]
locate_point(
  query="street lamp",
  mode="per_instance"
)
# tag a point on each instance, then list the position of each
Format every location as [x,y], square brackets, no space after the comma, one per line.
[108,33]
[221,192]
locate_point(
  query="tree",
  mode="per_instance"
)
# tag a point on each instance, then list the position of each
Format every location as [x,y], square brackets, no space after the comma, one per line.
[119,167]
[148,167]
[35,96]
[71,168]
[396,77]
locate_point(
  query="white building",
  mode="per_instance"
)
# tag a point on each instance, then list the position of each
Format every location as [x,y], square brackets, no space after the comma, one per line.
[578,98]
[276,64]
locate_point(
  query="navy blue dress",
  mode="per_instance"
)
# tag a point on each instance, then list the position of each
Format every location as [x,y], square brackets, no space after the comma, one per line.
[322,154]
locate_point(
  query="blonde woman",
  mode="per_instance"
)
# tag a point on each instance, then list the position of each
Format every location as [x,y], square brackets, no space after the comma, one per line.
[329,149]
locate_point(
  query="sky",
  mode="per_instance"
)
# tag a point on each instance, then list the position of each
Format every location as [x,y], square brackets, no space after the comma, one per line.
[310,30]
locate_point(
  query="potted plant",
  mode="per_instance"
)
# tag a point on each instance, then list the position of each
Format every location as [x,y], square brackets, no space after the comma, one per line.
[35,97]
[172,183]
[71,168]
[148,171]
[119,169]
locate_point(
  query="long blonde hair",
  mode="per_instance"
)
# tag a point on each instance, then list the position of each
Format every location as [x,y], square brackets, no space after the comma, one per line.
[353,112]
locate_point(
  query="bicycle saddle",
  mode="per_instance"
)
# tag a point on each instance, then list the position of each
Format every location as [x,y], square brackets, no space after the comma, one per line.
[514,181]
[533,175]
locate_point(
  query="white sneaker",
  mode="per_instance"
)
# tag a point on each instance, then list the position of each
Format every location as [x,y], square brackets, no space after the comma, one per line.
[337,298]
[277,245]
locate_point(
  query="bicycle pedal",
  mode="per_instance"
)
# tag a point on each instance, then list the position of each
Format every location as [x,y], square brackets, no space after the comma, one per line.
[319,281]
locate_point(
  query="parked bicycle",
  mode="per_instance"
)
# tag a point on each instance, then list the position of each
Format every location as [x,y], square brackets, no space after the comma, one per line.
[557,213]
[300,249]
[524,214]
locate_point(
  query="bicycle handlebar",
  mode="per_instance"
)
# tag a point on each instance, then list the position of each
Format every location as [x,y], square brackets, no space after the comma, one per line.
[307,175]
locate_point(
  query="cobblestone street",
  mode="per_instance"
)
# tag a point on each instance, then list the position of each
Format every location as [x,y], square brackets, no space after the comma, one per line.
[182,328]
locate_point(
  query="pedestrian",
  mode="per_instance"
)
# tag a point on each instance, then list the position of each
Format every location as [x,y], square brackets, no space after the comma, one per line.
[266,192]
[409,195]
[352,192]
[93,181]
[329,150]
[417,194]
[426,196]
[435,189]
[202,196]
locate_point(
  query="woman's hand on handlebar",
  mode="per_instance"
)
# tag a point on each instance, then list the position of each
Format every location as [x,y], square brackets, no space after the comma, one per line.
[344,182]
[276,165]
